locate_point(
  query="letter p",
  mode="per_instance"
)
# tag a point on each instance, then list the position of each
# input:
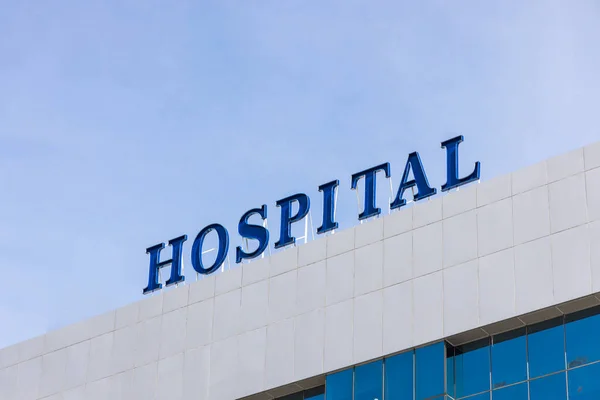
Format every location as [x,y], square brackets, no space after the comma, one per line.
[155,265]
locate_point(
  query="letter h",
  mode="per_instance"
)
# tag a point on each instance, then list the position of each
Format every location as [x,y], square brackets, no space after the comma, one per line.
[156,265]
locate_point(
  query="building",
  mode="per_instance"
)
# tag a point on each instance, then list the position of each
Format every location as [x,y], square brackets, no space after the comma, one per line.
[491,291]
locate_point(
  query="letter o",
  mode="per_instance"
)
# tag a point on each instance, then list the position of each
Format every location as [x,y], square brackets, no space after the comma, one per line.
[222,251]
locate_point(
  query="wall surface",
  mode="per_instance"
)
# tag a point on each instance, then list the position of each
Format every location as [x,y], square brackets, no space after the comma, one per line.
[489,252]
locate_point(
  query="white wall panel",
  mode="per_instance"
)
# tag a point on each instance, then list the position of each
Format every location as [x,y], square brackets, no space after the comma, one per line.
[397,259]
[529,178]
[368,232]
[427,212]
[340,278]
[462,200]
[340,242]
[280,353]
[199,326]
[565,165]
[494,190]
[398,317]
[312,252]
[282,296]
[368,268]
[428,308]
[312,287]
[494,227]
[339,335]
[571,264]
[252,347]
[461,298]
[427,249]
[533,275]
[531,213]
[568,204]
[591,155]
[309,339]
[170,378]
[227,282]
[399,221]
[196,373]
[460,238]
[496,287]
[368,326]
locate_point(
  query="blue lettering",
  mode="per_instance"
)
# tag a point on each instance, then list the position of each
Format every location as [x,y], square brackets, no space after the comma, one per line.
[452,179]
[250,231]
[155,264]
[420,181]
[285,233]
[328,190]
[258,232]
[370,208]
[221,253]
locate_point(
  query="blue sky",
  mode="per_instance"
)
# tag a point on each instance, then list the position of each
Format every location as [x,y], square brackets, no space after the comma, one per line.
[127,123]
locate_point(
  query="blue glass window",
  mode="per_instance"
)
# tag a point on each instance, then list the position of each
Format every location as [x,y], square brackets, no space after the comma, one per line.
[582,346]
[515,392]
[482,396]
[450,381]
[471,369]
[368,381]
[399,377]
[584,382]
[553,387]
[509,358]
[317,393]
[429,370]
[338,386]
[546,347]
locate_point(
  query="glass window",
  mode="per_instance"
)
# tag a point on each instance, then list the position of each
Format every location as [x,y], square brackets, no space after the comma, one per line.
[317,393]
[584,383]
[471,368]
[399,377]
[338,386]
[482,396]
[450,381]
[553,387]
[546,347]
[514,392]
[368,381]
[582,347]
[429,370]
[509,358]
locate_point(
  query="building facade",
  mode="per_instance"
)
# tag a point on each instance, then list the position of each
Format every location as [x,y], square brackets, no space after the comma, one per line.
[488,292]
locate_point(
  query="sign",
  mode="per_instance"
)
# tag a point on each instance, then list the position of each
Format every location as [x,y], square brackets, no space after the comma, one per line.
[261,234]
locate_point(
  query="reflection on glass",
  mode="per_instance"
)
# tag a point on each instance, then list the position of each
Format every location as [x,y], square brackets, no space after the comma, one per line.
[429,370]
[471,368]
[317,393]
[545,344]
[584,383]
[509,358]
[582,346]
[368,381]
[399,377]
[515,392]
[553,387]
[338,386]
[450,381]
[441,371]
[482,396]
